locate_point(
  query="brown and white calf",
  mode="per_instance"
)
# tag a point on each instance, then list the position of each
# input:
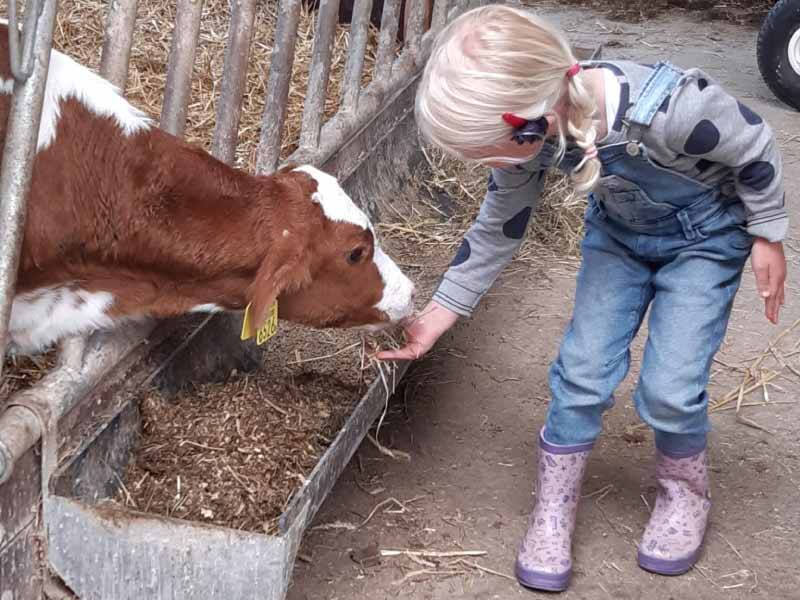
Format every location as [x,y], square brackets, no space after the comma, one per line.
[126,221]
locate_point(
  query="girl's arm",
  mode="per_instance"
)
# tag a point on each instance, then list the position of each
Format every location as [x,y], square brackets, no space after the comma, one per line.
[493,239]
[706,122]
[487,247]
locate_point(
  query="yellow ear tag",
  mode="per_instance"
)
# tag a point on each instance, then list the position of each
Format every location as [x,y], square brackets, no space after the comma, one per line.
[269,329]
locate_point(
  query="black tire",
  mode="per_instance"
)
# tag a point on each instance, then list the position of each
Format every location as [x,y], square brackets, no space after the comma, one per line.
[780,27]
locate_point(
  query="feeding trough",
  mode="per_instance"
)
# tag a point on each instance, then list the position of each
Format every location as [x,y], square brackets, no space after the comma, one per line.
[103,549]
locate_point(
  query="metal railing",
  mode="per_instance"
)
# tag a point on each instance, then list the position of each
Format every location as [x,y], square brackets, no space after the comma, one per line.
[86,363]
[29,68]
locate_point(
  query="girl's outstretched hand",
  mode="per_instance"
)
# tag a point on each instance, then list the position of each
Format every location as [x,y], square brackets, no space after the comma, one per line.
[769,267]
[422,330]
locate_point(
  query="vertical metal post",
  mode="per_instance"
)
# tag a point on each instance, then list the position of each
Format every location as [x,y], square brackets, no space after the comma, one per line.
[117,41]
[18,157]
[439,17]
[359,30]
[181,62]
[234,80]
[415,18]
[387,42]
[314,107]
[280,75]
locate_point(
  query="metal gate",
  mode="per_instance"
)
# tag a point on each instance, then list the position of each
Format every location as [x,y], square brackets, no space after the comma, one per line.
[91,374]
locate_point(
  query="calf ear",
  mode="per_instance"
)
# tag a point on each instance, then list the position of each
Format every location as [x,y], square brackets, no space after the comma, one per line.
[277,274]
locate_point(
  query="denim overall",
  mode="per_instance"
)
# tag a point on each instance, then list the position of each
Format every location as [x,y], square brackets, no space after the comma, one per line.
[654,238]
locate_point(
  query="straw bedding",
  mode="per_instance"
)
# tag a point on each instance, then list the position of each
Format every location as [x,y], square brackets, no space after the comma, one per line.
[79,33]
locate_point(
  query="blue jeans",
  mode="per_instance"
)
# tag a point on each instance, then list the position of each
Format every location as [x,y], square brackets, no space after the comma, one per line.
[653,239]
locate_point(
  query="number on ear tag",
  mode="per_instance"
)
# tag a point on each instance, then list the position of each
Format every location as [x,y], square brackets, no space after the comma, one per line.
[269,329]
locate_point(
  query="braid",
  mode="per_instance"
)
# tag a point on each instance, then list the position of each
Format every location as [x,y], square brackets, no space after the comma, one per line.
[581,126]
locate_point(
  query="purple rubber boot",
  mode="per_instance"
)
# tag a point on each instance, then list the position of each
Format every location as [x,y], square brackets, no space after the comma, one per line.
[544,561]
[674,536]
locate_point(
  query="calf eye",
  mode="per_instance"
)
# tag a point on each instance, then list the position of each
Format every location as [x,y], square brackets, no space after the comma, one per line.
[355,255]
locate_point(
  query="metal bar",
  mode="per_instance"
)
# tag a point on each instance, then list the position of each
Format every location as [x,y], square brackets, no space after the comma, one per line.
[439,17]
[234,80]
[117,41]
[280,74]
[314,107]
[387,41]
[414,23]
[62,388]
[343,126]
[359,32]
[17,166]
[181,62]
[21,61]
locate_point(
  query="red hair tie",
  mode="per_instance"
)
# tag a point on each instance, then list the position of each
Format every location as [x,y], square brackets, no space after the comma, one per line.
[573,70]
[514,120]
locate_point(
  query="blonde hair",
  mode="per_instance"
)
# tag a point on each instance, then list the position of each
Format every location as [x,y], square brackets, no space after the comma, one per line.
[497,59]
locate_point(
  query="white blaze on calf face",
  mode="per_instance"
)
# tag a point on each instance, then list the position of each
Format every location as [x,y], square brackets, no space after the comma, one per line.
[397,301]
[335,203]
[398,291]
[43,316]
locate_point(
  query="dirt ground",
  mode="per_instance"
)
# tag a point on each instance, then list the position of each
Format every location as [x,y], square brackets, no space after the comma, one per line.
[471,424]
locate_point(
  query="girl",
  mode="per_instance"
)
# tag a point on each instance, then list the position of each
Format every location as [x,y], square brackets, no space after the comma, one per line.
[684,181]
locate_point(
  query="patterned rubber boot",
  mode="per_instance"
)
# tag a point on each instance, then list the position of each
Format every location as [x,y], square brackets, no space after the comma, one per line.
[674,536]
[544,561]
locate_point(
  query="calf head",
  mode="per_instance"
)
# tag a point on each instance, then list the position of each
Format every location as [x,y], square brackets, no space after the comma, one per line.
[327,268]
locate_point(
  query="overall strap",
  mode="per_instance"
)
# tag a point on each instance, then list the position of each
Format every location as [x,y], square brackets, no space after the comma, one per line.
[662,81]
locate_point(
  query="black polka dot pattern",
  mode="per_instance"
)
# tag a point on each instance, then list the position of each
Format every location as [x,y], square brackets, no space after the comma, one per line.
[703,139]
[462,255]
[514,228]
[492,185]
[757,175]
[702,84]
[749,116]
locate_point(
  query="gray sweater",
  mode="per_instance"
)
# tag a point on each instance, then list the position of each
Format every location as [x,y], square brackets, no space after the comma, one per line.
[700,131]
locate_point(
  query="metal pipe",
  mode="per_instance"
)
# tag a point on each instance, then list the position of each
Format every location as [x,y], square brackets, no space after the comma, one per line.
[359,32]
[314,107]
[415,20]
[181,62]
[21,61]
[343,126]
[439,17]
[77,373]
[117,41]
[280,75]
[234,80]
[17,167]
[387,41]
